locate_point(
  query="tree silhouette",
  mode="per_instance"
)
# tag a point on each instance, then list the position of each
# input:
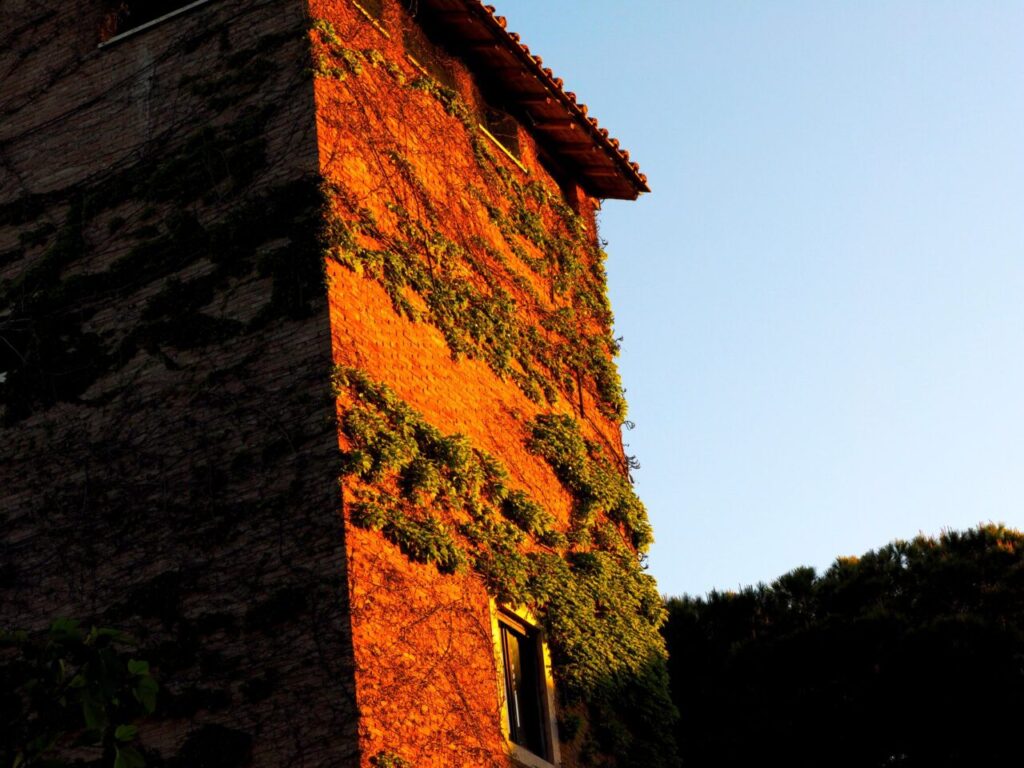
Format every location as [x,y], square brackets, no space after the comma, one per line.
[912,655]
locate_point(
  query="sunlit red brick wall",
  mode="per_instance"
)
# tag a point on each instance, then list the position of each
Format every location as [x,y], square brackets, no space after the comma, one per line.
[426,682]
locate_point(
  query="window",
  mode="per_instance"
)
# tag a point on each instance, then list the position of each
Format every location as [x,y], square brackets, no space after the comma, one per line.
[128,17]
[502,127]
[528,702]
[373,11]
[374,8]
[427,56]
[135,13]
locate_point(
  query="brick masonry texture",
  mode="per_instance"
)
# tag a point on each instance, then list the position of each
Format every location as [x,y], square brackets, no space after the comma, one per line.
[186,491]
[426,679]
[172,469]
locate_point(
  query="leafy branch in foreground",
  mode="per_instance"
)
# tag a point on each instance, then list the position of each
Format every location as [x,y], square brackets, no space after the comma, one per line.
[69,688]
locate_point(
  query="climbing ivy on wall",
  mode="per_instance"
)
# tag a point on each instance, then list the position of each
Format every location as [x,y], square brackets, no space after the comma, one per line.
[546,348]
[445,502]
[532,306]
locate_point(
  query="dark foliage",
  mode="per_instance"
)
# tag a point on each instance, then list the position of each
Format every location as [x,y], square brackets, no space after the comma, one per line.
[68,690]
[912,655]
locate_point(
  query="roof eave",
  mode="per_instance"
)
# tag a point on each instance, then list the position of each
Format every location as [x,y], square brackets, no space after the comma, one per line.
[559,121]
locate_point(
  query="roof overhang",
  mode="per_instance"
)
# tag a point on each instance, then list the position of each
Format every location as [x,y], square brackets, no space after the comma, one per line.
[560,123]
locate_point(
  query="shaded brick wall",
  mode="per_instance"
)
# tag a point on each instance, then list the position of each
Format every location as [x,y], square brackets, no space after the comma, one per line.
[168,455]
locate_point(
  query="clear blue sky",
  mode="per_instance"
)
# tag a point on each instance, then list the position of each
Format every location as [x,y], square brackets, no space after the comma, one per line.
[823,299]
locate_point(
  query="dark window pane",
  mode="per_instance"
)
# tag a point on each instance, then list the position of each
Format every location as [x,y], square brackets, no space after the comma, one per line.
[373,7]
[523,688]
[135,13]
[503,127]
[427,56]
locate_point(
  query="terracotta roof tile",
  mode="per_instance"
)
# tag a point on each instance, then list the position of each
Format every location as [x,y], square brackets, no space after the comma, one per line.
[558,119]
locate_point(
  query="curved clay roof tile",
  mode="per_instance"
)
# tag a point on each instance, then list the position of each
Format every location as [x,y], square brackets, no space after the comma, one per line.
[555,85]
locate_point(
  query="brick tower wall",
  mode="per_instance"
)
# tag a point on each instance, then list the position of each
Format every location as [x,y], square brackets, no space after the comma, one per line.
[263,247]
[467,298]
[169,458]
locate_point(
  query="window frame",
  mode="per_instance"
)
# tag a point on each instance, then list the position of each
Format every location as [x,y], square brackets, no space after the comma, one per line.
[374,12]
[132,31]
[522,621]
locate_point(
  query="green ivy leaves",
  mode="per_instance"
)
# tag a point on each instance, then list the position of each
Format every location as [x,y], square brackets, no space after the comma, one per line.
[475,322]
[71,685]
[600,609]
[597,487]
